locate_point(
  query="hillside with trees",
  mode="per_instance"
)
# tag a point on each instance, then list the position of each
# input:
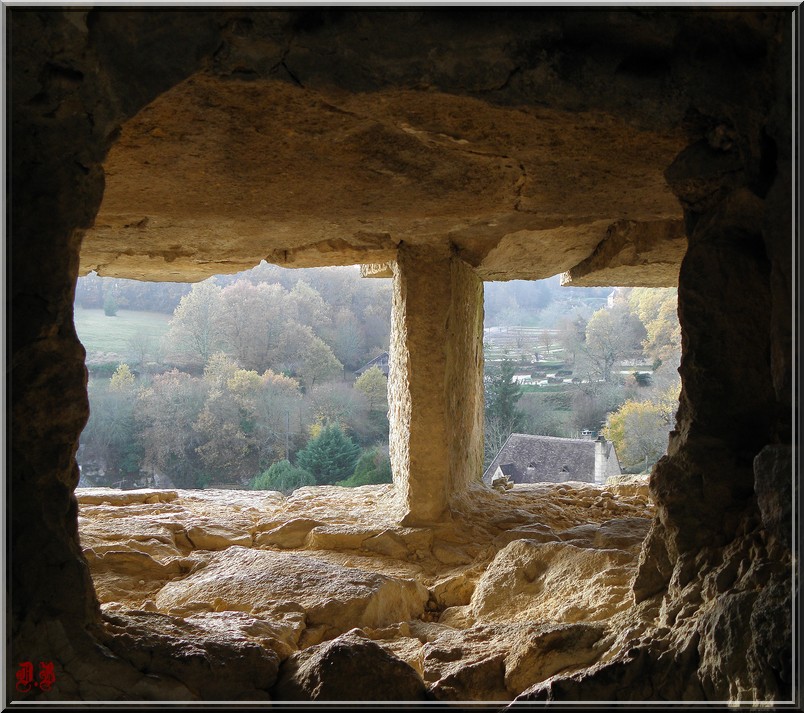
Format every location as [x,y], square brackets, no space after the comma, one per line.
[249,380]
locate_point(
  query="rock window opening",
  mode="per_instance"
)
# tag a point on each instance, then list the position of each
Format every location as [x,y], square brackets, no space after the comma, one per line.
[581,384]
[270,379]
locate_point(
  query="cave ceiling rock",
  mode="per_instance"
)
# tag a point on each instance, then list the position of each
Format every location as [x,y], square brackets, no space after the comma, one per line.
[633,254]
[218,173]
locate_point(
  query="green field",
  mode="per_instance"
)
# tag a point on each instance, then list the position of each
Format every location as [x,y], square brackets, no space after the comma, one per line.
[101,334]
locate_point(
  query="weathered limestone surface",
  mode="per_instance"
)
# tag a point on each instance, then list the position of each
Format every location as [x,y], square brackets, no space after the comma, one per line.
[444,612]
[272,170]
[636,254]
[435,381]
[260,581]
[567,581]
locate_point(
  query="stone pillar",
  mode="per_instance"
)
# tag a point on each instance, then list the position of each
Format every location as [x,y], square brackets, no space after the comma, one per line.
[435,381]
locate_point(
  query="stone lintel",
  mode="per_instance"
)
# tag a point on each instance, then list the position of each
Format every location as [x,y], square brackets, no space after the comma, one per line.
[435,381]
[633,254]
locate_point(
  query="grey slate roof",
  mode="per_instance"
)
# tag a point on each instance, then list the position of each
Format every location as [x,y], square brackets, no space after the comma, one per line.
[554,460]
[380,361]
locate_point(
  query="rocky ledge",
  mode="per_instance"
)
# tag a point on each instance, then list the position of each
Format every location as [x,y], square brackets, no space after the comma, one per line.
[326,597]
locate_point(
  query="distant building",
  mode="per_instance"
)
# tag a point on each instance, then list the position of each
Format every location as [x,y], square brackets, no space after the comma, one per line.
[380,361]
[547,459]
[614,295]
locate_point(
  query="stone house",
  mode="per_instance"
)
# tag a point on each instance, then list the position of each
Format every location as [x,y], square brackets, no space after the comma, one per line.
[548,459]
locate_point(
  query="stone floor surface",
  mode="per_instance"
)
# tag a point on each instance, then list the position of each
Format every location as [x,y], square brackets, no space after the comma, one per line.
[518,586]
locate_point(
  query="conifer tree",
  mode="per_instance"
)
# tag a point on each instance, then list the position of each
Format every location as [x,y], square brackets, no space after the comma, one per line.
[502,415]
[331,456]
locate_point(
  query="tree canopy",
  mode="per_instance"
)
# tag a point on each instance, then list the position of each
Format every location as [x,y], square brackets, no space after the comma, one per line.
[611,335]
[196,325]
[639,429]
[373,383]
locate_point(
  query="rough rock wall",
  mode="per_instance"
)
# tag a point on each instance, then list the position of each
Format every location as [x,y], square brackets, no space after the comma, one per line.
[726,451]
[63,110]
[57,184]
[718,553]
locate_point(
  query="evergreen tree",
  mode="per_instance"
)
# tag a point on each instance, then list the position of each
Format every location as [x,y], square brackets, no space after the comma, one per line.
[110,305]
[331,456]
[502,416]
[502,395]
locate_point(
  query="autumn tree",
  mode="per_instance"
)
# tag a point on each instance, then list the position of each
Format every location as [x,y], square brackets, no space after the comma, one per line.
[196,326]
[611,335]
[347,339]
[166,411]
[140,345]
[227,423]
[274,401]
[657,309]
[571,336]
[311,359]
[335,403]
[374,384]
[338,286]
[110,443]
[220,367]
[639,429]
[244,327]
[310,307]
[226,451]
[122,381]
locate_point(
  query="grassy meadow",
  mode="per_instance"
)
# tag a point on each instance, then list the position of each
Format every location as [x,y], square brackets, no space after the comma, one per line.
[111,335]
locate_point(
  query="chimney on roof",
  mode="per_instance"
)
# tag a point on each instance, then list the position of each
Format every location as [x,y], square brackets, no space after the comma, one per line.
[602,449]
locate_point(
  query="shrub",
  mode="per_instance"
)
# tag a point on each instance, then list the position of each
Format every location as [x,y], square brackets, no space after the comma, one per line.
[282,476]
[374,467]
